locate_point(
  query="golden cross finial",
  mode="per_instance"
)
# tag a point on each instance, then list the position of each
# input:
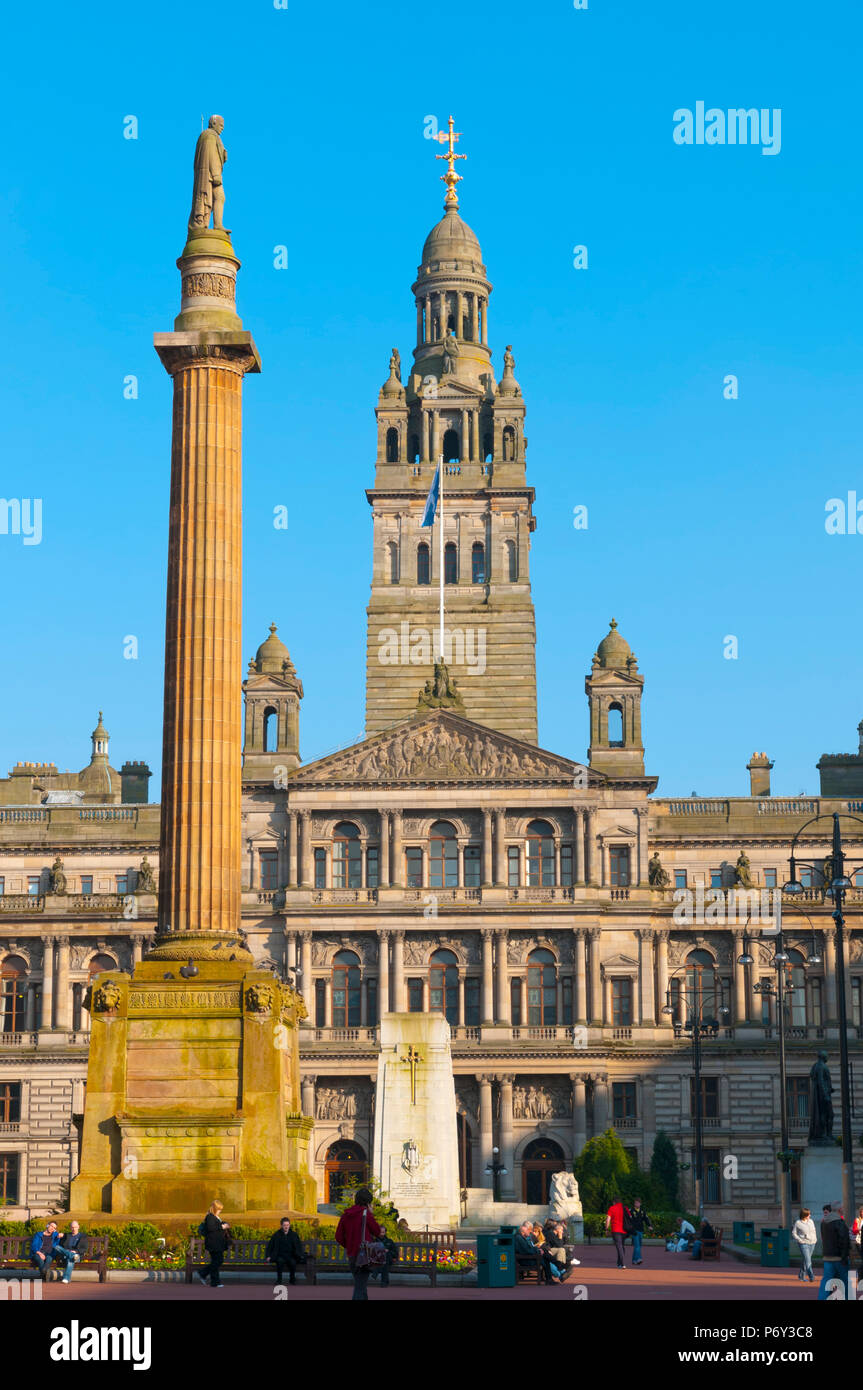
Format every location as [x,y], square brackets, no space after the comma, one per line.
[450,178]
[411,1060]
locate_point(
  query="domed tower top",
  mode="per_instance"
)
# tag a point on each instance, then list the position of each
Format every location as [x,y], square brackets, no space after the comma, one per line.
[273,657]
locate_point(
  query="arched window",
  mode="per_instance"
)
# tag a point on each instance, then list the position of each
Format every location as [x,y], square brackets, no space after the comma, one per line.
[477,563]
[511,562]
[451,450]
[392,445]
[615,725]
[346,990]
[345,1165]
[393,561]
[414,448]
[701,995]
[271,729]
[450,563]
[541,988]
[541,1160]
[347,856]
[443,985]
[13,994]
[443,855]
[508,443]
[540,854]
[99,964]
[423,563]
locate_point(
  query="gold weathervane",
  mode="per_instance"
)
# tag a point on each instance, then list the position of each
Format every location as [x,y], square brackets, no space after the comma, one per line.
[413,1057]
[450,178]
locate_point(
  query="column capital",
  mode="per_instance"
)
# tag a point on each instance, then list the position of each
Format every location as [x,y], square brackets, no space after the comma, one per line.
[499,931]
[644,933]
[399,935]
[487,933]
[593,933]
[662,934]
[484,1078]
[579,1078]
[385,933]
[306,935]
[308,1078]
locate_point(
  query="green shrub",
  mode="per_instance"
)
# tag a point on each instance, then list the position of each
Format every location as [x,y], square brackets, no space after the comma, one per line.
[663,1166]
[383,1210]
[664,1222]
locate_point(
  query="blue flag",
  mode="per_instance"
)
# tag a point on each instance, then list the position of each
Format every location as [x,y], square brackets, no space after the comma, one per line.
[432,500]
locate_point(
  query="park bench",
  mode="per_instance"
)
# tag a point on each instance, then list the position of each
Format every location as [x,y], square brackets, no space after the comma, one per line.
[247,1256]
[15,1254]
[322,1257]
[711,1249]
[528,1268]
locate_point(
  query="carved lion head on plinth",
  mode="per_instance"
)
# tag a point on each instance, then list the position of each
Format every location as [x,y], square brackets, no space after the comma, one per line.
[259,999]
[106,997]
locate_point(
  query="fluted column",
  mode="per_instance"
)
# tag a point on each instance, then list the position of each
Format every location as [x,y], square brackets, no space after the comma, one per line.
[580,1001]
[383,972]
[486,1129]
[293,846]
[507,1147]
[306,986]
[427,336]
[579,1113]
[499,849]
[484,320]
[461,984]
[664,1020]
[503,1009]
[47,1020]
[64,993]
[487,868]
[385,849]
[399,1002]
[487,975]
[595,979]
[641,874]
[647,1009]
[397,864]
[590,849]
[474,436]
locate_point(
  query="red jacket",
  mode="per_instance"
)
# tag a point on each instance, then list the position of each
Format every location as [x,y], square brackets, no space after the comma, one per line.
[350,1227]
[616,1212]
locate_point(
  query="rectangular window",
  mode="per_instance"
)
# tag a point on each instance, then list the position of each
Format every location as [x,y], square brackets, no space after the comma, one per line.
[415,996]
[621,1002]
[472,866]
[712,1176]
[9,1178]
[858,878]
[373,867]
[856,1000]
[10,1102]
[320,1003]
[709,1097]
[805,877]
[269,869]
[769,878]
[34,883]
[414,867]
[618,863]
[815,1014]
[797,1097]
[471,1001]
[716,878]
[320,868]
[86,883]
[566,866]
[680,878]
[513,866]
[122,882]
[623,1100]
[2,886]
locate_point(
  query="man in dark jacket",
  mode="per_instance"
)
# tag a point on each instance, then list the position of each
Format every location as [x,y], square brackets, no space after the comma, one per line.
[76,1245]
[836,1249]
[285,1250]
[639,1224]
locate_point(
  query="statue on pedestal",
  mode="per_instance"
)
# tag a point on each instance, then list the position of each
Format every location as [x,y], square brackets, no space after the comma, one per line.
[450,353]
[743,871]
[208,195]
[145,882]
[57,878]
[820,1103]
[563,1199]
[656,875]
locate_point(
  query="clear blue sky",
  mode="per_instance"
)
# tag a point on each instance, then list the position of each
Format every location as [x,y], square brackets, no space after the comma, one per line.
[706,516]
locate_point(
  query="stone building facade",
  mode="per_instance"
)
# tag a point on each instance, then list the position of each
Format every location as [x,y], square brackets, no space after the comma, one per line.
[448,863]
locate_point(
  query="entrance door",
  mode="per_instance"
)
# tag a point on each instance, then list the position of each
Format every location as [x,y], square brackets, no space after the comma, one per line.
[345,1163]
[542,1158]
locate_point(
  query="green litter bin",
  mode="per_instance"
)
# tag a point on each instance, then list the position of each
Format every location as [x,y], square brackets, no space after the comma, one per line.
[495,1260]
[775,1246]
[744,1233]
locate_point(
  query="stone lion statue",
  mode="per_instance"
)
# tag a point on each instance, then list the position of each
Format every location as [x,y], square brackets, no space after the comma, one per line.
[563,1200]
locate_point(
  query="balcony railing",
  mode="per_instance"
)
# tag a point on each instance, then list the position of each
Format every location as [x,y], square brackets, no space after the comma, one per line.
[22,902]
[444,895]
[18,1039]
[548,1033]
[542,895]
[339,1035]
[465,1033]
[9,1126]
[344,895]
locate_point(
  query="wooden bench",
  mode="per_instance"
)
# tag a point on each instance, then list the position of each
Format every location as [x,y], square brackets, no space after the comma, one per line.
[247,1256]
[412,1257]
[711,1249]
[529,1267]
[15,1254]
[443,1240]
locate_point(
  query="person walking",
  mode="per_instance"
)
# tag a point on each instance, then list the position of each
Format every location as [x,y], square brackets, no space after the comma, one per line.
[615,1222]
[639,1222]
[76,1244]
[836,1249]
[216,1233]
[285,1250]
[803,1231]
[355,1228]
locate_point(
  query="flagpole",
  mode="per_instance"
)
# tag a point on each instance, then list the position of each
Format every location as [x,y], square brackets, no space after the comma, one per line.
[440,504]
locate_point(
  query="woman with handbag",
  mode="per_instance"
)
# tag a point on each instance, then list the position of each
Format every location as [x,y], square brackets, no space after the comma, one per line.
[359,1233]
[217,1238]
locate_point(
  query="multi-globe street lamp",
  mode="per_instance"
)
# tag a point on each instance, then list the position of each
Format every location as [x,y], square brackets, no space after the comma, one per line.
[698,1025]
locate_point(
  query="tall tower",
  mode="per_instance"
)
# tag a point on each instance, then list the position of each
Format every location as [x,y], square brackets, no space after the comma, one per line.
[614,689]
[272,690]
[451,404]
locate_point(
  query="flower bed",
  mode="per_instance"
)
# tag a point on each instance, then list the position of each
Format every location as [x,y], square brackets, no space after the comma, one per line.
[456,1261]
[162,1259]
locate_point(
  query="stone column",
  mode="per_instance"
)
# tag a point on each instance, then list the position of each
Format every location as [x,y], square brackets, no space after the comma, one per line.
[399,1004]
[474,436]
[137,950]
[306,985]
[580,954]
[647,1010]
[293,835]
[500,876]
[603,854]
[474,324]
[30,1017]
[600,1103]
[578,846]
[487,868]
[464,448]
[484,320]
[831,994]
[385,849]
[328,1001]
[426,436]
[47,1020]
[419,320]
[507,1147]
[427,336]
[595,979]
[579,1113]
[486,1131]
[305,850]
[307,1093]
[487,976]
[460,998]
[740,991]
[436,434]
[459,311]
[557,861]
[64,993]
[503,1014]
[664,1020]
[199,845]
[442,313]
[590,849]
[397,863]
[384,972]
[641,875]
[291,954]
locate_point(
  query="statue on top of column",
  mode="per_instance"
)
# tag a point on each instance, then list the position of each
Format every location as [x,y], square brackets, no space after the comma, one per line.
[208,194]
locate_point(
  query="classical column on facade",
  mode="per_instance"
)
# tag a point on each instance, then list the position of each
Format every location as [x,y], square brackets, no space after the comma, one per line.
[648,1116]
[740,973]
[461,981]
[426,434]
[643,852]
[397,861]
[484,319]
[30,1017]
[579,1113]
[604,876]
[474,436]
[488,1014]
[399,1003]
[487,867]
[499,849]
[647,1008]
[831,997]
[307,1093]
[426,988]
[292,835]
[663,1020]
[328,1001]
[591,849]
[64,992]
[596,1011]
[600,1103]
[47,1020]
[306,983]
[305,851]
[579,952]
[384,832]
[522,999]
[137,949]
[384,971]
[503,1014]
[507,1146]
[291,960]
[486,1129]
[578,819]
[427,335]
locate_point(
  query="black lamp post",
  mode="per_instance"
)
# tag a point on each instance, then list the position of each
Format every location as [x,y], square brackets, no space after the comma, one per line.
[698,1026]
[495,1168]
[836,889]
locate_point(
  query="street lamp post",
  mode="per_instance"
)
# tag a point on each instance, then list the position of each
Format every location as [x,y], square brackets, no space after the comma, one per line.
[698,1027]
[495,1168]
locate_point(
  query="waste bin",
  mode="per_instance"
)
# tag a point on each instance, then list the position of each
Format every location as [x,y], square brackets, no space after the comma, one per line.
[744,1233]
[775,1246]
[495,1260]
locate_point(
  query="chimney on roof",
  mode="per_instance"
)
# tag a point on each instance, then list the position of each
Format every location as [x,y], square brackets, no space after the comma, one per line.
[758,767]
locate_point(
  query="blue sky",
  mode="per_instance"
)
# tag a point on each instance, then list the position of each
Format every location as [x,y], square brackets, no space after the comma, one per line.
[706,516]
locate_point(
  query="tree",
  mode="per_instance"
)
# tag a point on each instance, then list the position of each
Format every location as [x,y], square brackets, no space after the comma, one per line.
[383,1209]
[603,1169]
[663,1166]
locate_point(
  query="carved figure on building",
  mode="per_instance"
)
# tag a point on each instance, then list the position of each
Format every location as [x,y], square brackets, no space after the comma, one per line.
[543,1102]
[743,871]
[820,1102]
[259,999]
[57,878]
[106,997]
[451,352]
[564,1201]
[145,879]
[656,875]
[441,692]
[827,872]
[396,364]
[208,194]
